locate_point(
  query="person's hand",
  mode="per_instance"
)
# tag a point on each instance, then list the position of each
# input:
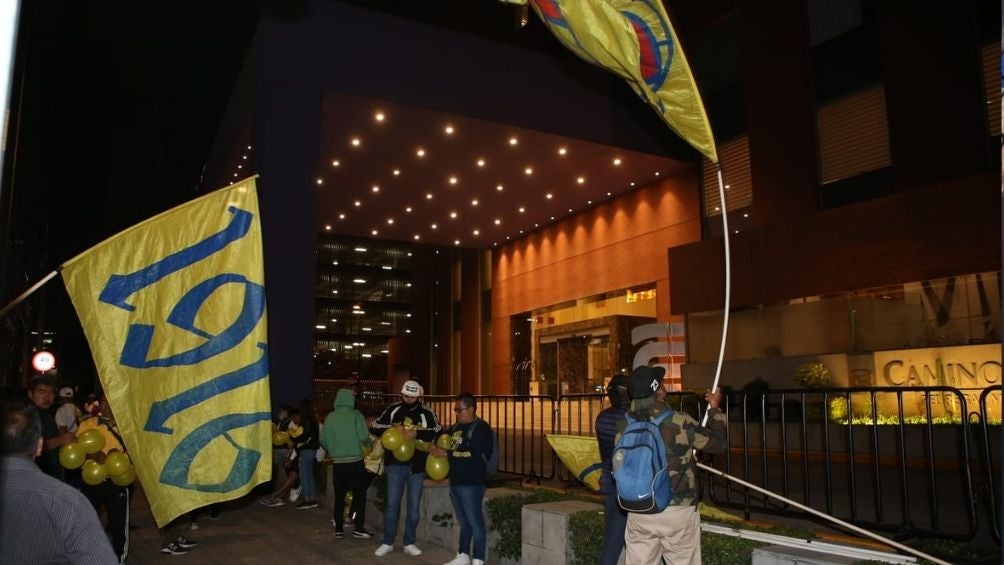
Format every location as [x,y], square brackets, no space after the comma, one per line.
[98,456]
[67,437]
[714,398]
[410,433]
[437,452]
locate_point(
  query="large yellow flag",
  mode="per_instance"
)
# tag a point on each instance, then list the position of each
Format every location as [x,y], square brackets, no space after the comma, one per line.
[581,455]
[635,40]
[174,310]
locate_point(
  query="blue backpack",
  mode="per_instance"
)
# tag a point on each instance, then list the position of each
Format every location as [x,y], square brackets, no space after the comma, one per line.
[639,467]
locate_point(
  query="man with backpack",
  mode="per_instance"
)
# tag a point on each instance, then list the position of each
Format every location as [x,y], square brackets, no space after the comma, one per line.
[662,502]
[472,448]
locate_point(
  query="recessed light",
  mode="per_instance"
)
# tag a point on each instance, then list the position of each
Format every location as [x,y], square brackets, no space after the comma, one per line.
[522,209]
[416,237]
[420,152]
[717,209]
[498,222]
[397,172]
[327,227]
[390,221]
[476,232]
[336,163]
[376,188]
[456,242]
[521,232]
[359,250]
[359,281]
[408,209]
[379,116]
[581,180]
[453,180]
[608,194]
[552,218]
[448,129]
[341,216]
[499,188]
[562,151]
[474,202]
[632,184]
[428,196]
[507,238]
[481,162]
[320,181]
[746,215]
[528,171]
[374,232]
[657,173]
[589,202]
[356,142]
[434,226]
[617,161]
[727,187]
[569,209]
[453,215]
[536,225]
[549,196]
[358,203]
[321,327]
[240,166]
[513,141]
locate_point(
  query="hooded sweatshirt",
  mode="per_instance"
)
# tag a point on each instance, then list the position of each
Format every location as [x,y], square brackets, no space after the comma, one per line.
[344,434]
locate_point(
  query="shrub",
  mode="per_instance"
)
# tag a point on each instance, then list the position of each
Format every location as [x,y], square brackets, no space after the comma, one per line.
[505,514]
[813,375]
[587,529]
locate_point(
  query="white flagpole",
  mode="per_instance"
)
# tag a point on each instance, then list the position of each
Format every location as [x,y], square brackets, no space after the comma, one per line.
[728,283]
[27,293]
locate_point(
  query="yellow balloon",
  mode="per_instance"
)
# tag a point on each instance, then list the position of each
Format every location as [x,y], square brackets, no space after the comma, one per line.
[437,468]
[348,504]
[392,439]
[405,451]
[92,441]
[71,455]
[279,438]
[94,473]
[444,441]
[126,478]
[117,463]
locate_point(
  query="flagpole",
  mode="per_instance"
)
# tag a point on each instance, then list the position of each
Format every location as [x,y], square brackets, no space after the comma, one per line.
[27,293]
[847,525]
[728,283]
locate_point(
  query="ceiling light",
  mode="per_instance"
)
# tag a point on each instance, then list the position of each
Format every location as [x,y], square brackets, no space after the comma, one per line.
[569,209]
[456,242]
[356,142]
[476,232]
[336,163]
[376,188]
[552,218]
[727,186]
[474,202]
[522,209]
[420,152]
[334,320]
[499,188]
[608,194]
[657,173]
[360,249]
[321,327]
[408,209]
[513,141]
[240,166]
[341,216]
[359,281]
[320,181]
[249,147]
[434,226]
[407,285]
[746,215]
[581,180]
[348,347]
[549,196]
[528,171]
[360,312]
[498,222]
[507,238]
[428,196]
[481,162]
[244,157]
[417,237]
[562,151]
[536,225]
[397,172]
[374,232]
[449,130]
[632,184]
[367,329]
[358,203]
[334,262]
[717,208]
[378,116]
[327,227]
[453,180]
[390,221]
[589,202]
[356,306]
[453,215]
[617,161]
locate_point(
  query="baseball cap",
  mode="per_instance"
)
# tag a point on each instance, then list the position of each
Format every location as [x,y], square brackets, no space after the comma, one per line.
[66,392]
[411,388]
[645,381]
[41,380]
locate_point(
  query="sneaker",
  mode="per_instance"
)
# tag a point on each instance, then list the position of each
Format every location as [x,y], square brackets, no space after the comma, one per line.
[294,494]
[270,502]
[306,504]
[360,533]
[384,549]
[173,549]
[460,559]
[412,550]
[339,534]
[478,562]
[195,525]
[185,543]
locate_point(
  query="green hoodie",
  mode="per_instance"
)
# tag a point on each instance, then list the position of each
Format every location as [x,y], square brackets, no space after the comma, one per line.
[345,433]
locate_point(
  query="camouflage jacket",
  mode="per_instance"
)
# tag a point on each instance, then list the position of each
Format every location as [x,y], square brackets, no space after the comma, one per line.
[682,435]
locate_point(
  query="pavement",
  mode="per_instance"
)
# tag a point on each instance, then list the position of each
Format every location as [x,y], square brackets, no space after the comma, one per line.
[248,532]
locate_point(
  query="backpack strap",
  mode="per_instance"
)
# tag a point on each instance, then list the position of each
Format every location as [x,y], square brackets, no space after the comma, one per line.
[662,417]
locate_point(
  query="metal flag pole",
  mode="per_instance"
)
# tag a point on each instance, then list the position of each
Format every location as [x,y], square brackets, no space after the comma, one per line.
[847,525]
[10,305]
[728,283]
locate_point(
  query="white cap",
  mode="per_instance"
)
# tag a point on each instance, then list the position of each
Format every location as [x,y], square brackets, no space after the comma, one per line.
[411,388]
[66,392]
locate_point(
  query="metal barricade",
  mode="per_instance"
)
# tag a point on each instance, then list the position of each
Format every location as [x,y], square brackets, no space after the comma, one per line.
[990,455]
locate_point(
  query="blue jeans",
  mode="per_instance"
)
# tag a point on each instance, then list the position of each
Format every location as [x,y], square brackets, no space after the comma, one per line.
[307,458]
[614,521]
[400,477]
[468,503]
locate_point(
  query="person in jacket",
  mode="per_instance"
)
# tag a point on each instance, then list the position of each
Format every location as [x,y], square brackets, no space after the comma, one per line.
[614,517]
[344,437]
[305,445]
[417,422]
[471,447]
[675,533]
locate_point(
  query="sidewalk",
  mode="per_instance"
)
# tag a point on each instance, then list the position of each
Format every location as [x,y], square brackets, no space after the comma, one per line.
[248,532]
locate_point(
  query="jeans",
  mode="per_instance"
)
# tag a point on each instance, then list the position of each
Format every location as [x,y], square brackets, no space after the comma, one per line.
[468,503]
[307,457]
[400,477]
[614,522]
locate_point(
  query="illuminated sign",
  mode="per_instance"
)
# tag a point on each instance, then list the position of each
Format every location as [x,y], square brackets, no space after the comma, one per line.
[43,361]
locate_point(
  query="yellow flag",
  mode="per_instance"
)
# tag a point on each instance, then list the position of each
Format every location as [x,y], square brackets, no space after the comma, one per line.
[581,455]
[174,311]
[635,40]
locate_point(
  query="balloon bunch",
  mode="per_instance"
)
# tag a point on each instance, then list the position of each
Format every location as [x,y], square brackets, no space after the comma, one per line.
[437,468]
[393,440]
[117,464]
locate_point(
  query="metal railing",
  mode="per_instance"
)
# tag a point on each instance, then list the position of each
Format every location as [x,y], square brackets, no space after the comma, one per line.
[904,459]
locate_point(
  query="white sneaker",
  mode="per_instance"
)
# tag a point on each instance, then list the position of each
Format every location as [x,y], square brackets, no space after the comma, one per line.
[460,559]
[478,562]
[412,550]
[384,549]
[294,494]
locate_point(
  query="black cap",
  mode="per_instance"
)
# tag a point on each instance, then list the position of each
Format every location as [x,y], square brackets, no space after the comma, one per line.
[41,380]
[645,381]
[617,381]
